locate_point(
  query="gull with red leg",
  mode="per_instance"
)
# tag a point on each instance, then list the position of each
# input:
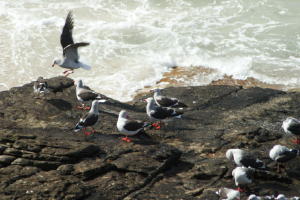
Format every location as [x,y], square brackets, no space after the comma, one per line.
[84,94]
[158,113]
[291,126]
[129,127]
[242,177]
[90,119]
[70,59]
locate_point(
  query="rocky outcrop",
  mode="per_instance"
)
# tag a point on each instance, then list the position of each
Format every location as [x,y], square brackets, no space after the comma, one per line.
[42,158]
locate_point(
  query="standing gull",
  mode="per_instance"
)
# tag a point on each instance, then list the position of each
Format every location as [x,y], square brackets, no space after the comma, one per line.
[242,177]
[282,154]
[291,126]
[243,158]
[129,127]
[157,113]
[166,101]
[70,59]
[228,194]
[84,93]
[89,119]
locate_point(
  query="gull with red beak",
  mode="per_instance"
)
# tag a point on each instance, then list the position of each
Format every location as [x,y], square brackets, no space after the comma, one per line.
[157,113]
[90,119]
[84,94]
[129,127]
[70,59]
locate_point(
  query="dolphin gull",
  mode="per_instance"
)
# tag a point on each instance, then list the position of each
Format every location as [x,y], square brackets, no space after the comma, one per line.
[291,126]
[166,101]
[242,177]
[70,59]
[89,119]
[282,154]
[157,113]
[228,194]
[254,197]
[40,86]
[129,127]
[243,158]
[84,93]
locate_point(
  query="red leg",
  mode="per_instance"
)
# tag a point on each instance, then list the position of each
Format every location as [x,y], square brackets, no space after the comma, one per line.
[240,189]
[126,139]
[296,141]
[87,108]
[86,132]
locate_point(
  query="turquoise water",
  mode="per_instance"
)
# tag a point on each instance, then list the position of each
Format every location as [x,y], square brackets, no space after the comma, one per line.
[134,42]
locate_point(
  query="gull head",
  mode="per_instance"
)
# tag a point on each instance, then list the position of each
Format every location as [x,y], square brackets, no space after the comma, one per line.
[56,62]
[123,114]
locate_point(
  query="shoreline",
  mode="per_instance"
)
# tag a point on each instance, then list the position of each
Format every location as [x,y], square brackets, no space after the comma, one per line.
[183,77]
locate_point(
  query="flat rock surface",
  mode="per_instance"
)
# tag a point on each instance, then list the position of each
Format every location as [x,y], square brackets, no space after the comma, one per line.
[41,157]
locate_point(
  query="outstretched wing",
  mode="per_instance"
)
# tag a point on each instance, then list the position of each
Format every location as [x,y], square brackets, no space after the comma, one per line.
[70,51]
[66,35]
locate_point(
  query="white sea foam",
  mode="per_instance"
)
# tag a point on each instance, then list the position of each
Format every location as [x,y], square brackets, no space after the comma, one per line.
[134,42]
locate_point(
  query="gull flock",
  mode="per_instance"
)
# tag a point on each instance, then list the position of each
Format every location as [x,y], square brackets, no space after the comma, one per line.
[158,109]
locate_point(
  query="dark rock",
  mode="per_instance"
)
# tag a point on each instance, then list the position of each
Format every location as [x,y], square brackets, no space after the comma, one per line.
[6,160]
[42,158]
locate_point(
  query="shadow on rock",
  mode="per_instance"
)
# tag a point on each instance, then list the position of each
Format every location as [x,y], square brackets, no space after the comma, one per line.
[60,104]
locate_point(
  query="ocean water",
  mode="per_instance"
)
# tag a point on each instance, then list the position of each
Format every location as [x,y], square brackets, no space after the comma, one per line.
[133,42]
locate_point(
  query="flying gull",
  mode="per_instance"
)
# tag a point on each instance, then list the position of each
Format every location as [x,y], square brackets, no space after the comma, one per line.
[242,177]
[89,119]
[129,127]
[84,93]
[228,194]
[40,86]
[157,113]
[243,158]
[70,59]
[282,154]
[166,101]
[291,126]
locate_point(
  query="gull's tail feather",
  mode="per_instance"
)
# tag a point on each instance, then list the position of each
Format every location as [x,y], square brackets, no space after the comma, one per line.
[86,67]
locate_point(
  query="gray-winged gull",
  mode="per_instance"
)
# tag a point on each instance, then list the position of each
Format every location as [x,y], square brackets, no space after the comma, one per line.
[90,119]
[157,113]
[243,158]
[84,93]
[129,127]
[166,101]
[282,154]
[70,59]
[291,126]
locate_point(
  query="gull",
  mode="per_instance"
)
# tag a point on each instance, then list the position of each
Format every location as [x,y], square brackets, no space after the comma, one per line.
[243,158]
[282,154]
[291,126]
[228,194]
[164,101]
[90,119]
[242,177]
[129,127]
[40,86]
[157,113]
[84,93]
[70,59]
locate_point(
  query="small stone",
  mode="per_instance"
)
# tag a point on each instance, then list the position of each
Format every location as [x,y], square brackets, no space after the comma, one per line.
[6,159]
[65,169]
[21,161]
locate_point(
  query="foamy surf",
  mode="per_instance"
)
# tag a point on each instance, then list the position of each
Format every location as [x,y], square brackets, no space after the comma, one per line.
[133,44]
